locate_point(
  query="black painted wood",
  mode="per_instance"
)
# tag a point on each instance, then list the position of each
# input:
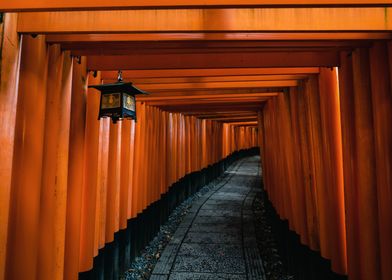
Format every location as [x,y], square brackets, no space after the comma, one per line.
[115,258]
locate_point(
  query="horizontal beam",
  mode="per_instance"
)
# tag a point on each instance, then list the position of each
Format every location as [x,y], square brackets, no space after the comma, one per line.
[228,117]
[217,60]
[220,107]
[238,120]
[217,85]
[112,49]
[217,91]
[56,5]
[208,20]
[246,125]
[212,108]
[186,96]
[219,113]
[240,123]
[208,102]
[169,73]
[140,82]
[211,36]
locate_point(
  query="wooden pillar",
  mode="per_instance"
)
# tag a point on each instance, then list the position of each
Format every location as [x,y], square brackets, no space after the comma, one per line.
[318,162]
[113,191]
[87,235]
[9,79]
[27,165]
[306,156]
[359,166]
[53,200]
[131,167]
[346,88]
[125,179]
[102,184]
[75,170]
[332,149]
[286,159]
[299,189]
[365,168]
[381,75]
[138,155]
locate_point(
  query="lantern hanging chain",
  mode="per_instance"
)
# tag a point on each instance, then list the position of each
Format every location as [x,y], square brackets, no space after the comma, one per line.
[119,77]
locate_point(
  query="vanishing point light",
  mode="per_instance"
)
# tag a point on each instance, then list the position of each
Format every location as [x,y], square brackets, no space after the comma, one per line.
[118,100]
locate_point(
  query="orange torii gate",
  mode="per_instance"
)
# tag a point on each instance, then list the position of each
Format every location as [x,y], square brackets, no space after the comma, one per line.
[325,133]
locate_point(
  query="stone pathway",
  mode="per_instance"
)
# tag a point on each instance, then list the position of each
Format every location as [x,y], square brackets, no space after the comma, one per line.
[216,240]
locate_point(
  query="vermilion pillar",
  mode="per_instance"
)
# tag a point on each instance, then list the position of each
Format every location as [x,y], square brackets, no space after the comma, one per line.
[313,238]
[10,55]
[346,88]
[113,191]
[27,166]
[87,240]
[298,175]
[102,184]
[332,150]
[131,168]
[365,168]
[380,71]
[125,171]
[75,169]
[318,173]
[138,154]
[53,200]
[359,166]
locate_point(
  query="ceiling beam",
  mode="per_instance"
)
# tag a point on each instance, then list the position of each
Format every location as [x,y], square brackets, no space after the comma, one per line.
[240,123]
[169,73]
[129,50]
[218,91]
[186,96]
[220,113]
[220,117]
[141,82]
[180,103]
[251,107]
[59,5]
[214,60]
[208,20]
[217,85]
[237,120]
[243,37]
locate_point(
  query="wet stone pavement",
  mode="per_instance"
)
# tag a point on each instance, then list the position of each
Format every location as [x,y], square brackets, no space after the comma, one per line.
[216,239]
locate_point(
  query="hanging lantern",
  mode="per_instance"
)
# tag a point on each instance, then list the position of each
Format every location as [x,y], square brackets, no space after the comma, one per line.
[118,100]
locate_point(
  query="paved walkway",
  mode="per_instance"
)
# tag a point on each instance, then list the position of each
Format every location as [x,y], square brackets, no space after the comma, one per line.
[216,240]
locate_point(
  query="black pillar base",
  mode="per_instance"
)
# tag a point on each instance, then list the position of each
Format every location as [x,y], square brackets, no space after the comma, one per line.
[300,261]
[115,258]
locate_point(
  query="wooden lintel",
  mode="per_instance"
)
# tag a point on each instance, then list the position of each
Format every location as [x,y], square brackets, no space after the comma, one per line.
[185,96]
[208,20]
[218,85]
[71,5]
[225,102]
[211,60]
[170,73]
[211,36]
[140,82]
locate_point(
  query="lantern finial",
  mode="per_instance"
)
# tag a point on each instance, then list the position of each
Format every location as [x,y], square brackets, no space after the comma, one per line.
[119,77]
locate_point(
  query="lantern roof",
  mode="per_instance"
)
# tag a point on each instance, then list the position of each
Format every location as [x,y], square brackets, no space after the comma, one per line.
[125,87]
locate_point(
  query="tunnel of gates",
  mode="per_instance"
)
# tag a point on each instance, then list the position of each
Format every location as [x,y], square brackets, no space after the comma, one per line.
[317,103]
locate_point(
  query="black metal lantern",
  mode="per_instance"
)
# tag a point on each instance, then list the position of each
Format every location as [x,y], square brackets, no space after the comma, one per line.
[118,100]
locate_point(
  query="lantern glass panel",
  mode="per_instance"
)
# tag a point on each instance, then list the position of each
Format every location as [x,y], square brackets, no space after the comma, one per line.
[111,100]
[129,102]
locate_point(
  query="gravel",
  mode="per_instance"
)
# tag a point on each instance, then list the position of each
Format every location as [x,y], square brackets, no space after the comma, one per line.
[273,265]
